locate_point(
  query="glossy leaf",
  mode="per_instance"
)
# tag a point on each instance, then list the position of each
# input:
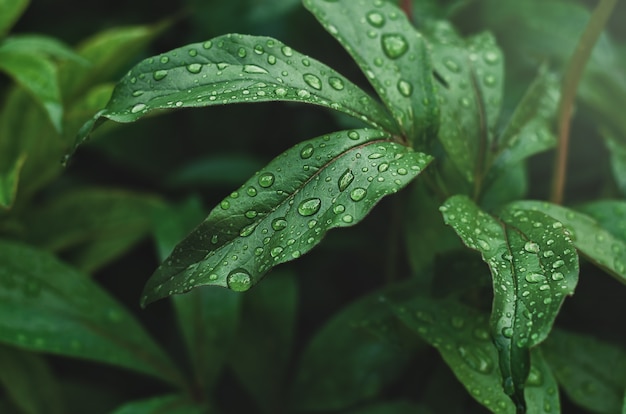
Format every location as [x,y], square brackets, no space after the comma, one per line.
[534,266]
[610,214]
[592,373]
[617,149]
[170,404]
[10,12]
[8,182]
[285,210]
[46,306]
[392,55]
[234,69]
[29,382]
[39,77]
[590,238]
[470,95]
[38,45]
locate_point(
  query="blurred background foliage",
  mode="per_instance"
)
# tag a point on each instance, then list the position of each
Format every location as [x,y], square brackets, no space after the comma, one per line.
[125,198]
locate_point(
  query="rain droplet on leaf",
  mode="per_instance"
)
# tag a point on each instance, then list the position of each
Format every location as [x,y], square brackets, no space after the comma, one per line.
[239,280]
[394,45]
[309,206]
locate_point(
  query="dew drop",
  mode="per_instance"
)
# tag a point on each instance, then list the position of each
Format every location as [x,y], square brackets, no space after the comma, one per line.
[405,88]
[336,83]
[251,214]
[271,59]
[251,191]
[159,74]
[194,68]
[306,152]
[207,45]
[309,206]
[239,280]
[313,81]
[556,276]
[276,251]
[558,264]
[287,51]
[241,52]
[353,135]
[213,277]
[304,94]
[394,45]
[347,218]
[535,278]
[346,178]
[490,80]
[258,49]
[452,65]
[402,171]
[137,93]
[280,92]
[376,19]
[476,359]
[491,57]
[339,208]
[225,205]
[531,247]
[138,108]
[254,69]
[279,224]
[164,59]
[383,167]
[248,230]
[358,194]
[266,180]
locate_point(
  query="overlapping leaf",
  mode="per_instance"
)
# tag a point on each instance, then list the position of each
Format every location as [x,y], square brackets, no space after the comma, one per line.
[393,56]
[233,69]
[534,266]
[10,12]
[589,236]
[47,306]
[285,210]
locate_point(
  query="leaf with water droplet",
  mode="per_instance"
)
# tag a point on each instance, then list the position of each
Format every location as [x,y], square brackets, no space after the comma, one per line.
[222,74]
[598,232]
[471,74]
[527,296]
[303,198]
[46,306]
[392,54]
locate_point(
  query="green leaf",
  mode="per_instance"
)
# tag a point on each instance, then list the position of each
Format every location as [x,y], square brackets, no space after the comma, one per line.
[39,77]
[509,185]
[393,56]
[610,214]
[533,264]
[170,404]
[47,306]
[234,69]
[592,373]
[29,382]
[261,354]
[594,242]
[470,95]
[285,210]
[10,12]
[8,182]
[39,45]
[617,150]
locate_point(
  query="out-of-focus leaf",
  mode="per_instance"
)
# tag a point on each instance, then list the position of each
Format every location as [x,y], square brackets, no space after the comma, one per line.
[593,241]
[47,306]
[610,214]
[617,150]
[592,373]
[509,185]
[8,182]
[99,223]
[10,12]
[392,55]
[27,379]
[234,69]
[39,77]
[260,355]
[534,265]
[471,74]
[395,407]
[208,172]
[285,210]
[38,45]
[170,404]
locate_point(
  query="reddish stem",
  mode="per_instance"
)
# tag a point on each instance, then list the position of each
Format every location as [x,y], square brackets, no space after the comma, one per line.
[407,7]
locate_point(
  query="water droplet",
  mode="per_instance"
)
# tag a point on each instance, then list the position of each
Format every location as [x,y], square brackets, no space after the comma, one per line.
[309,206]
[336,83]
[192,52]
[490,80]
[339,208]
[241,52]
[531,247]
[164,59]
[214,239]
[476,358]
[394,45]
[225,205]
[481,334]
[375,156]
[353,135]
[159,74]
[402,171]
[346,178]
[347,218]
[276,251]
[383,167]
[358,194]
[207,45]
[239,280]
[558,264]
[287,51]
[491,57]
[251,191]
[248,230]
[405,88]
[376,19]
[213,277]
[271,59]
[137,93]
[251,214]
[279,224]
[313,81]
[258,49]
[452,65]
[280,92]
[306,152]
[535,278]
[304,94]
[138,108]
[194,68]
[254,69]
[507,332]
[556,276]
[266,180]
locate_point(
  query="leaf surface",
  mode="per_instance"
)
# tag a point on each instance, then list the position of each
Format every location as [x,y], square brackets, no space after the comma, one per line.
[393,56]
[234,69]
[170,404]
[10,12]
[47,306]
[533,265]
[285,210]
[43,46]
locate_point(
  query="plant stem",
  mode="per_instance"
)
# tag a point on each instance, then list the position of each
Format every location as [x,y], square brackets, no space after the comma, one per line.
[571,80]
[407,7]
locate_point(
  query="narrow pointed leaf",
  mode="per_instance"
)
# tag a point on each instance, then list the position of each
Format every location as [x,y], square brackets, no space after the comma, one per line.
[591,372]
[39,77]
[10,12]
[393,56]
[170,404]
[46,306]
[235,69]
[470,93]
[533,265]
[41,46]
[285,210]
[592,240]
[8,183]
[618,159]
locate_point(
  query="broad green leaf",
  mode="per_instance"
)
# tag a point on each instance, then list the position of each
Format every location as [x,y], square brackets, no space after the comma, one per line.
[170,404]
[29,382]
[592,373]
[610,214]
[97,226]
[591,239]
[471,74]
[534,266]
[285,210]
[396,407]
[10,12]
[234,69]
[261,353]
[39,45]
[393,56]
[617,150]
[8,182]
[354,357]
[39,77]
[46,306]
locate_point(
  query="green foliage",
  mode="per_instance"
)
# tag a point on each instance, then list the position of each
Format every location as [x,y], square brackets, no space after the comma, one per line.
[456,294]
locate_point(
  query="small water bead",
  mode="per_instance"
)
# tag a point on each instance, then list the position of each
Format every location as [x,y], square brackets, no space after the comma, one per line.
[192,52]
[336,83]
[535,278]
[402,171]
[248,230]
[222,65]
[556,276]
[225,205]
[383,167]
[347,218]
[507,332]
[239,280]
[276,251]
[452,65]
[405,88]
[271,59]
[159,74]
[490,80]
[339,208]
[254,69]
[280,92]
[558,264]
[137,93]
[251,191]
[287,51]
[251,214]
[307,152]
[376,19]
[138,108]
[312,223]
[313,81]
[491,57]
[164,59]
[531,247]
[358,194]
[309,206]
[194,68]
[207,45]
[304,94]
[279,224]
[266,179]
[353,135]
[548,253]
[394,45]
[258,49]
[242,52]
[476,359]
[345,180]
